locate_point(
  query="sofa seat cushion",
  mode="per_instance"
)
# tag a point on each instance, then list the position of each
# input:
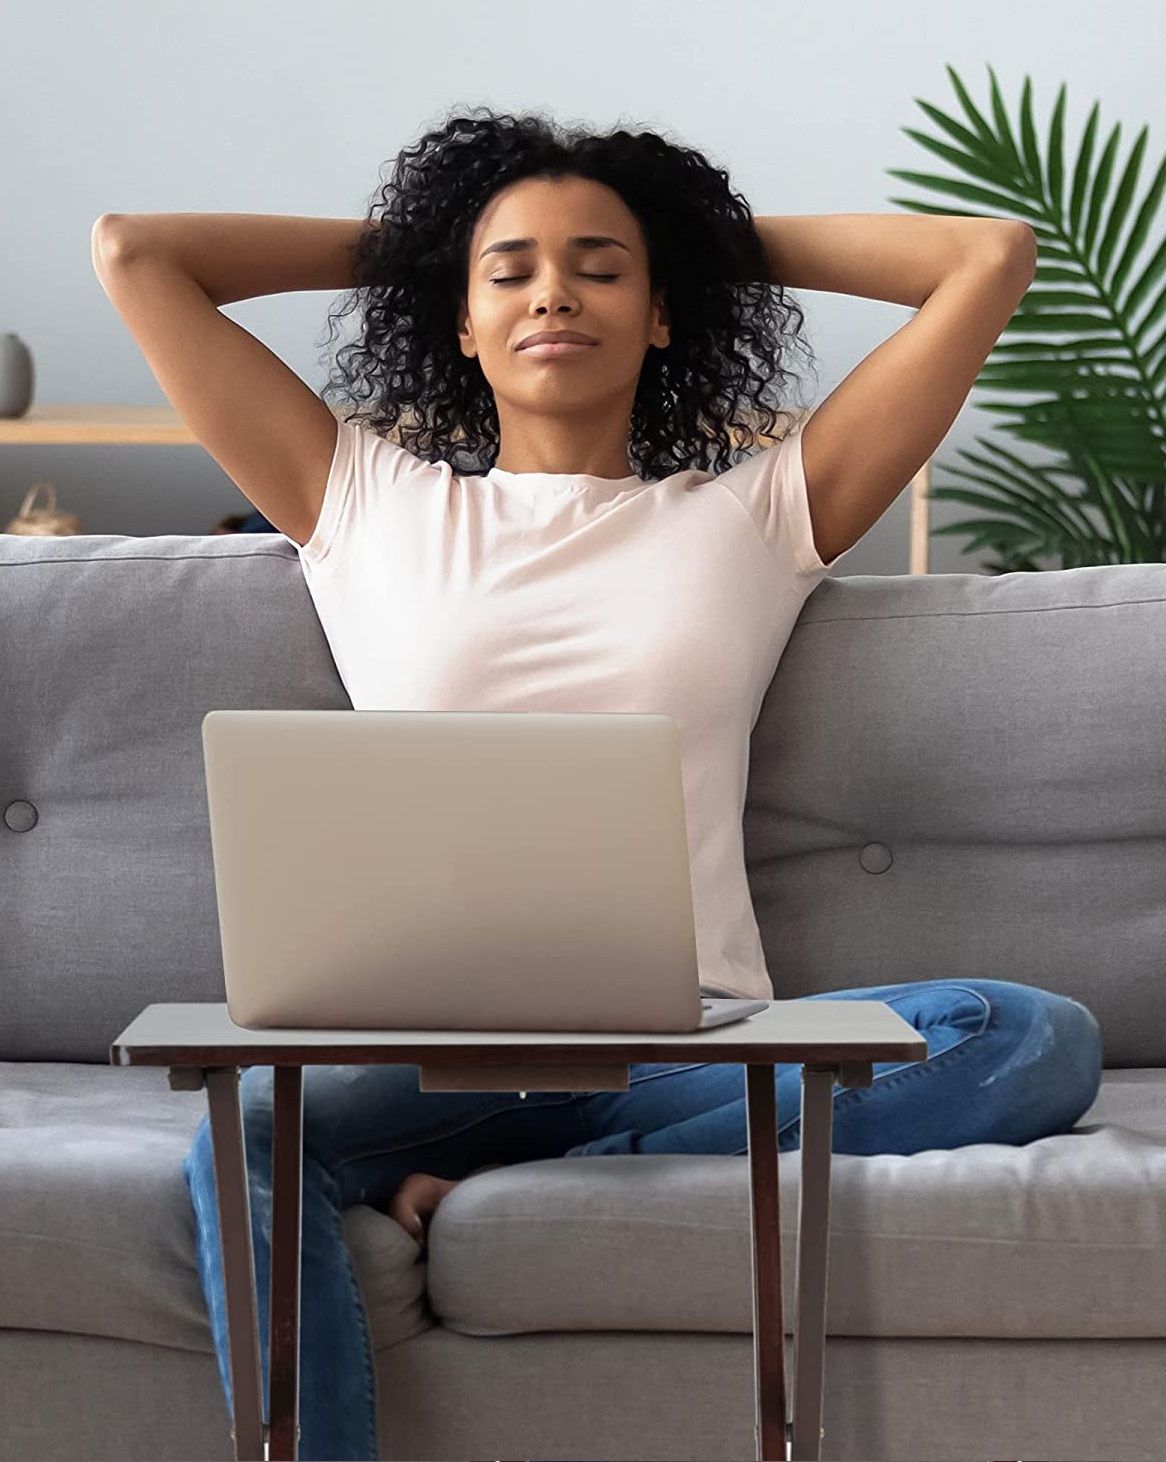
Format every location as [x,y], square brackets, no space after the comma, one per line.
[98,1231]
[1062,1238]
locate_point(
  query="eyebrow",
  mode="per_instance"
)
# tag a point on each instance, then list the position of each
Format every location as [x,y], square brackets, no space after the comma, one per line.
[582,241]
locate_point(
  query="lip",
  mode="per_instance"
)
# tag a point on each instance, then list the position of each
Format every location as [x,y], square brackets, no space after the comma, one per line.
[556,349]
[556,337]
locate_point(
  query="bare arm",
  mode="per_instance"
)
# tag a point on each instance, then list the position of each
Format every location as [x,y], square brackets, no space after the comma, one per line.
[237,256]
[268,430]
[883,256]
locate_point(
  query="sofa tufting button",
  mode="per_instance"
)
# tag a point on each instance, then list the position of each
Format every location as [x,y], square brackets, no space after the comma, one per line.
[20,816]
[875,857]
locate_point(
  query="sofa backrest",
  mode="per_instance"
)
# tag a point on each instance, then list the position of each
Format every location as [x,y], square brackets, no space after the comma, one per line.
[951,776]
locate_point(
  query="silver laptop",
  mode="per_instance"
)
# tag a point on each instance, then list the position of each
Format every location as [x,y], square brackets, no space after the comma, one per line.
[493,871]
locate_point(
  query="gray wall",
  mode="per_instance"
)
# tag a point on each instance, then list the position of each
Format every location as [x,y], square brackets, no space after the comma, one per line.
[294,108]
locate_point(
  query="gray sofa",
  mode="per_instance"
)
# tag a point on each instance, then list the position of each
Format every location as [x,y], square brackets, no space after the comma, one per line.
[951,776]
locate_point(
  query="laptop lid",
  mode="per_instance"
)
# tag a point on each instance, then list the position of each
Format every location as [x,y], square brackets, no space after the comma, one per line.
[452,870]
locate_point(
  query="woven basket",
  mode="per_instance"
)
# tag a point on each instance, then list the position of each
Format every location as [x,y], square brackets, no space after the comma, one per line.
[45,522]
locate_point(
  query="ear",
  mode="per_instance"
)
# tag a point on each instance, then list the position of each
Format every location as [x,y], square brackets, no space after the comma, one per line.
[467,347]
[664,318]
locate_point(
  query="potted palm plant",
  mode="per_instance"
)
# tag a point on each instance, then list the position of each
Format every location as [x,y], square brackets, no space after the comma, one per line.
[1086,347]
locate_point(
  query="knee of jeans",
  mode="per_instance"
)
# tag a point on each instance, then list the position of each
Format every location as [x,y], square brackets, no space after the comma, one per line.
[257,1088]
[257,1099]
[1075,1024]
[1090,1021]
[200,1155]
[1092,1040]
[255,1108]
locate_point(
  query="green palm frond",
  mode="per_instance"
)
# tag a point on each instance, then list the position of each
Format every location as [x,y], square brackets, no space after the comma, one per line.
[1087,344]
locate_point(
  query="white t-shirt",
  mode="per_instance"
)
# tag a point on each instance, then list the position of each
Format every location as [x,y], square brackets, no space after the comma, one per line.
[529,591]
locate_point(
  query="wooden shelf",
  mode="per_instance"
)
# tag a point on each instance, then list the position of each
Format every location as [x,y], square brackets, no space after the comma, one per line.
[162,426]
[82,425]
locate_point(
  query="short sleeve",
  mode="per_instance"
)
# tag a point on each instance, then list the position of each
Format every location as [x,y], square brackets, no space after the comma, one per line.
[364,470]
[771,486]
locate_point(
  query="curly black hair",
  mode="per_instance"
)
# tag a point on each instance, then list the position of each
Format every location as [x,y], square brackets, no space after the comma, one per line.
[698,401]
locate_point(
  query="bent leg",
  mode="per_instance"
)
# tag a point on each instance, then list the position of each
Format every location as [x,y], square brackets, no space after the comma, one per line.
[1006,1063]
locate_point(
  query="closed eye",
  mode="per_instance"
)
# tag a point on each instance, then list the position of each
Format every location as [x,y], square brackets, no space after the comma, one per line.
[514,278]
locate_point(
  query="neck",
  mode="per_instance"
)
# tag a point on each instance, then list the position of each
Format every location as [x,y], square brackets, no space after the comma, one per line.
[561,446]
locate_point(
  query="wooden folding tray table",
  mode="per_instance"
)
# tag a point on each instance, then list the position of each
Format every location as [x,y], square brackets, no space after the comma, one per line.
[833,1041]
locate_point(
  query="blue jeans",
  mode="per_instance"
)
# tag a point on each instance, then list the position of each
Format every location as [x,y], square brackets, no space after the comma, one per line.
[1006,1063]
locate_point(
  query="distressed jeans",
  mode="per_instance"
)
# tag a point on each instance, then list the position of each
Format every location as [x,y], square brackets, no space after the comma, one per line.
[1006,1062]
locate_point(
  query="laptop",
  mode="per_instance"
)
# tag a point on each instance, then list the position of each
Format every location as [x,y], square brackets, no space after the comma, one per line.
[455,870]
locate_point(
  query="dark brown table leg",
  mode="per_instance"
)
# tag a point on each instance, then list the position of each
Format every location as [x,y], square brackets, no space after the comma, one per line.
[806,1431]
[771,1428]
[287,1188]
[230,1160]
[813,1252]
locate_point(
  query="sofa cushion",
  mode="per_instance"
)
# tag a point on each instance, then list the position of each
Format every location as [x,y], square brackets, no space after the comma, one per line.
[97,1224]
[1063,1237]
[1060,1238]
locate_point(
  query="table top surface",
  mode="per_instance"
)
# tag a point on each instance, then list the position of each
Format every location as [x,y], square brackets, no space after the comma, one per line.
[204,1034]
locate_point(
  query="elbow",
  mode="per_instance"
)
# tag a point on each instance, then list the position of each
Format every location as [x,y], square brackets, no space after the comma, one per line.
[107,238]
[1023,244]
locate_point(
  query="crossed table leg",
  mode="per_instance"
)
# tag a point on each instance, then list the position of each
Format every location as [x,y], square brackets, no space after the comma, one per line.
[778,1439]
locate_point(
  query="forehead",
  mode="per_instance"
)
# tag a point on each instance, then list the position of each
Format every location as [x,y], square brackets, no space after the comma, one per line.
[553,212]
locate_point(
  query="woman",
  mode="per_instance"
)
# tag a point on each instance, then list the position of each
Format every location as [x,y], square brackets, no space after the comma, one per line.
[556,530]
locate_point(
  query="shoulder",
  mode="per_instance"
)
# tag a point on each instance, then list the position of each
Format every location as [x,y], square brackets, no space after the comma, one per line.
[367,472]
[770,484]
